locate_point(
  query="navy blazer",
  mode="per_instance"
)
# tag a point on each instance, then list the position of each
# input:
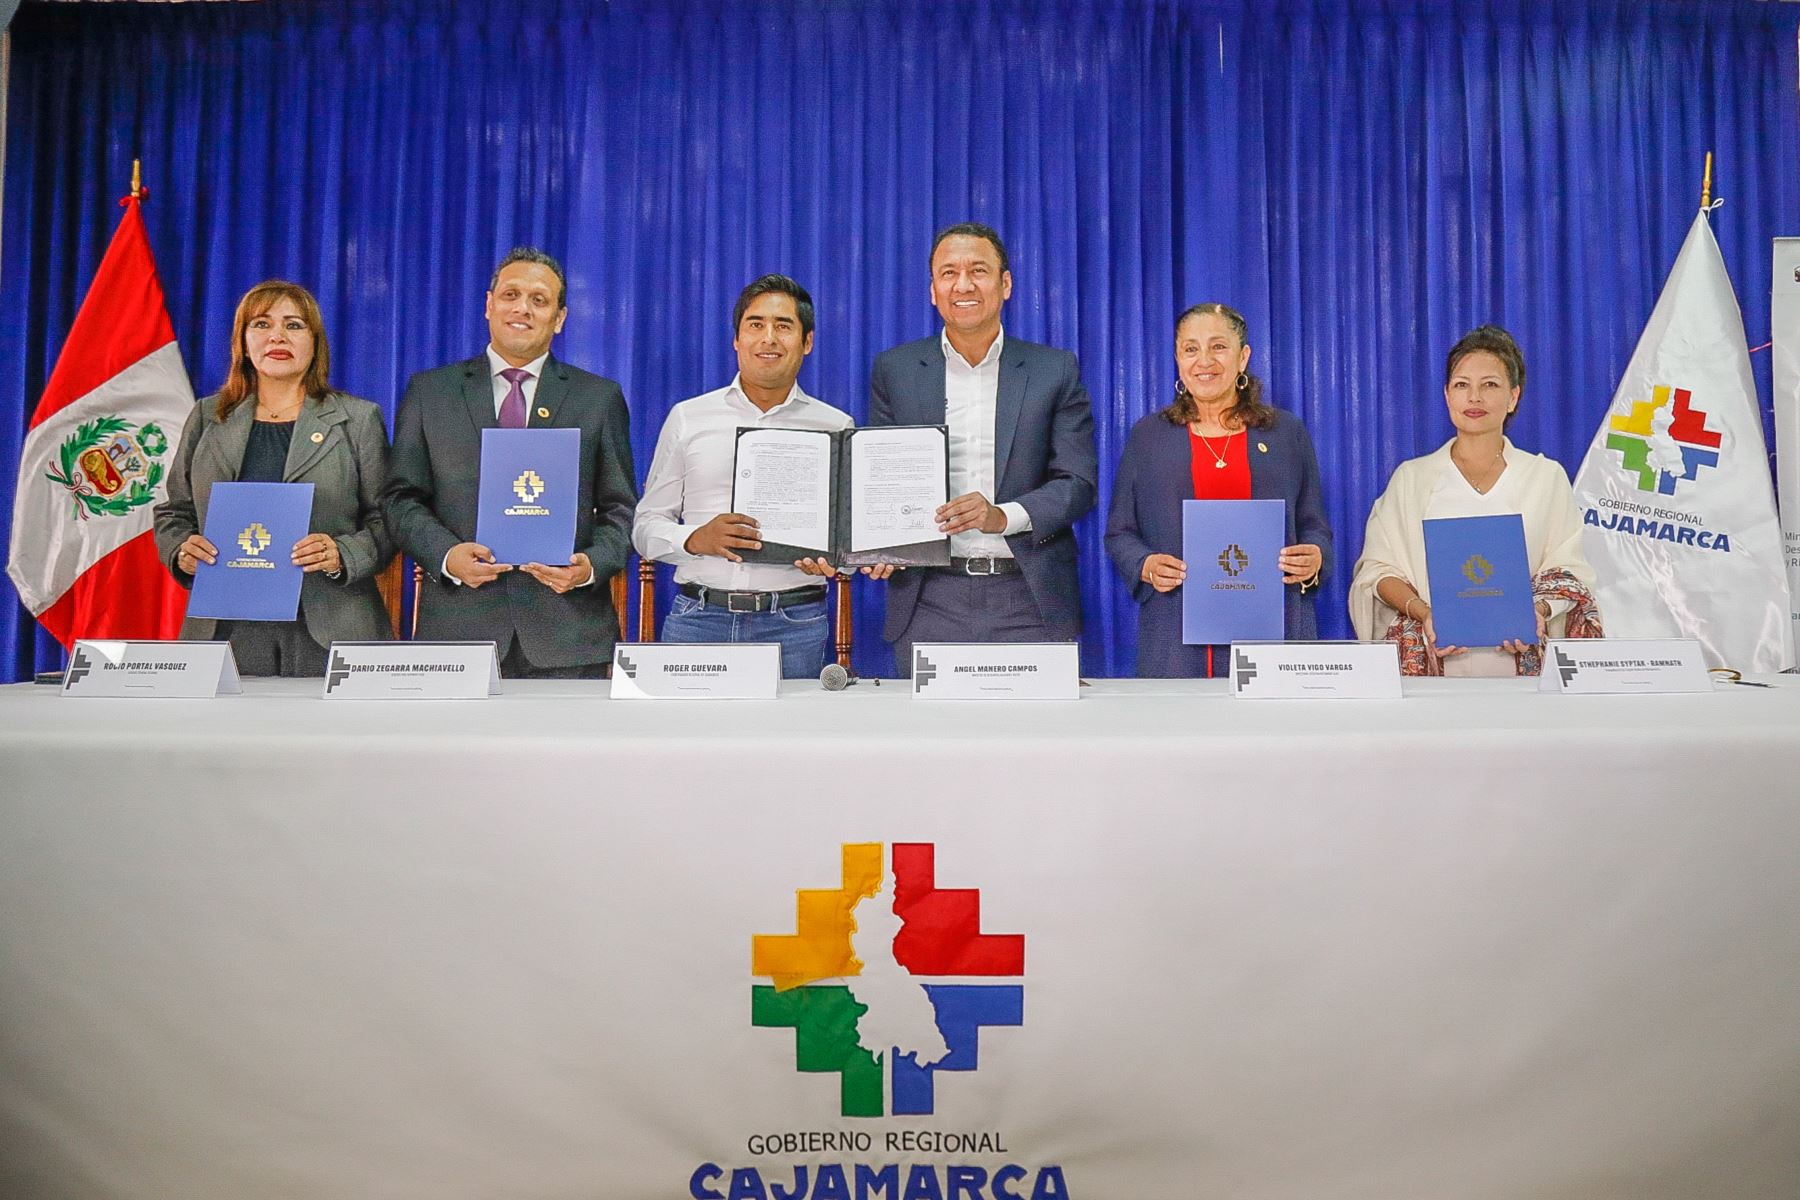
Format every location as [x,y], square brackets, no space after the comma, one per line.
[1043,458]
[1155,475]
[432,497]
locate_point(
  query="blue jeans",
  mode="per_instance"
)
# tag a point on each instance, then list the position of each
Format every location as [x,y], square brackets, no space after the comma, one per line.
[802,632]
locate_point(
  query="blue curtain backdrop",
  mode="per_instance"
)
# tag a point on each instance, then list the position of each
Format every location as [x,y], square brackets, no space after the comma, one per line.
[1365,180]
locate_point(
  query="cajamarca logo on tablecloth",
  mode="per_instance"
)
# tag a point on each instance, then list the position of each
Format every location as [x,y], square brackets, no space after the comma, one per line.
[873,980]
[1662,458]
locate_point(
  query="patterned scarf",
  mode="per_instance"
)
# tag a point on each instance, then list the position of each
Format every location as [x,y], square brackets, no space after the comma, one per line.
[1552,583]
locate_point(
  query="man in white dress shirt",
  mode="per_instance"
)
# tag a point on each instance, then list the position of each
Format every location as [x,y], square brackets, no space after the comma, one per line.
[1023,468]
[683,517]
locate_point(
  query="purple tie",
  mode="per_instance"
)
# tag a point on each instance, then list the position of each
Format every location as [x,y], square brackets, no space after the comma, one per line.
[512,409]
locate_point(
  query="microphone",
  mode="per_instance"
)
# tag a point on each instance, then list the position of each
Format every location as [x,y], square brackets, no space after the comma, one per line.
[835,678]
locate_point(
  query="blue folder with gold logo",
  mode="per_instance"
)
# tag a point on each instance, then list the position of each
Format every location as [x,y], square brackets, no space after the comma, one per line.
[254,527]
[529,482]
[1480,580]
[1233,591]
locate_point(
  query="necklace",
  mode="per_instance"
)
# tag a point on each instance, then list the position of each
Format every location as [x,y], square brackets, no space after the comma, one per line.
[1469,476]
[1218,458]
[269,414]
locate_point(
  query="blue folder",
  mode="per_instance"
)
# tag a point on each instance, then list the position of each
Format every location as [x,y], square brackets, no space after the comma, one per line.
[529,482]
[1480,580]
[1233,591]
[254,526]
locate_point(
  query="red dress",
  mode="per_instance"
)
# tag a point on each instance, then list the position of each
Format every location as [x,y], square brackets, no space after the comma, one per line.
[1221,471]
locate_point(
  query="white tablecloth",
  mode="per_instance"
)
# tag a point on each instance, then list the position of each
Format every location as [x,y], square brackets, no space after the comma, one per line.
[1479,943]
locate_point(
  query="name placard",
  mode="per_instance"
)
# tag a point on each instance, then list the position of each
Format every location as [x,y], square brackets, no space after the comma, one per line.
[1315,670]
[696,671]
[412,671]
[160,670]
[996,671]
[1613,666]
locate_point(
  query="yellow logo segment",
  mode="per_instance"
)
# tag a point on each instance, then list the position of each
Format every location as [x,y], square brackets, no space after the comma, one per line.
[820,946]
[1643,412]
[254,540]
[528,486]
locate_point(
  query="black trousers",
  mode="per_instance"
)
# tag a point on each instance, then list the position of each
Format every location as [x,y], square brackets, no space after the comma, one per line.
[514,665]
[971,608]
[273,648]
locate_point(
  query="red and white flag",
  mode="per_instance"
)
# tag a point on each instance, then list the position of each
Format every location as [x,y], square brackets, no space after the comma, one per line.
[96,456]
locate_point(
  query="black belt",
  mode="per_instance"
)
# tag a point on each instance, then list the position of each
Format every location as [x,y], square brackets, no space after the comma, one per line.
[753,602]
[980,566]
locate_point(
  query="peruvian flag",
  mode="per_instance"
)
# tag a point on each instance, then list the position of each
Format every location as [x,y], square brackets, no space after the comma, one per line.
[96,457]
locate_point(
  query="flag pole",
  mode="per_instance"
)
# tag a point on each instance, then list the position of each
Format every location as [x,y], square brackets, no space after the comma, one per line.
[1706,185]
[137,176]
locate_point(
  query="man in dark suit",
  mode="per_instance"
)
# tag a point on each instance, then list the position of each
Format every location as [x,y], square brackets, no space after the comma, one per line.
[547,620]
[1022,463]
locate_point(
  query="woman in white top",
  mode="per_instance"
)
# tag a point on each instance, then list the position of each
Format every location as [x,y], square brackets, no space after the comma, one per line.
[1477,473]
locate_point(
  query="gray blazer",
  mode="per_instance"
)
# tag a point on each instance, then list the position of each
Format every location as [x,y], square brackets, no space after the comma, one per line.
[432,498]
[347,465]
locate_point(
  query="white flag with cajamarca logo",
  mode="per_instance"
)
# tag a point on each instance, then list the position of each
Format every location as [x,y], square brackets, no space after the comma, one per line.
[1678,507]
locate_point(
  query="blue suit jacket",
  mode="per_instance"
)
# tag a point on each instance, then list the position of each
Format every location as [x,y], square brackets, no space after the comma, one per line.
[1043,458]
[1155,475]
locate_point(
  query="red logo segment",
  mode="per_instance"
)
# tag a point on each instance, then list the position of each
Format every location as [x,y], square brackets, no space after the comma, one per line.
[1688,424]
[940,932]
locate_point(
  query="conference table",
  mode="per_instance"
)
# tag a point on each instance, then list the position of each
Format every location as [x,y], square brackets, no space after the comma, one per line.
[1156,943]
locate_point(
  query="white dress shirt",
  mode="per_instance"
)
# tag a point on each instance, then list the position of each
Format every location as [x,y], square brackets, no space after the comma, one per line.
[496,364]
[971,394]
[690,484]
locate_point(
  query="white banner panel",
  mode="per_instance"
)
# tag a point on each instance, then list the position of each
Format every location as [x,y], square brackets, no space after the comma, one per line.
[1784,330]
[1158,945]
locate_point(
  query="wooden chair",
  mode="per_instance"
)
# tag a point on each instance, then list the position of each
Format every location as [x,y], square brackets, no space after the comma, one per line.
[619,589]
[841,619]
[389,583]
[392,586]
[646,590]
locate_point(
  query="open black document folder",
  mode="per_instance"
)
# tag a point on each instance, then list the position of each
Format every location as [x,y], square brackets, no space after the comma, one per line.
[804,497]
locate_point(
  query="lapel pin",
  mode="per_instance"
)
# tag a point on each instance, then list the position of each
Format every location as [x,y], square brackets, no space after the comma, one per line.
[1262,447]
[317,438]
[543,414]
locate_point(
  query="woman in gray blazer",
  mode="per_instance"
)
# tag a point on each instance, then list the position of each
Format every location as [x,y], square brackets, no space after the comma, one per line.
[276,420]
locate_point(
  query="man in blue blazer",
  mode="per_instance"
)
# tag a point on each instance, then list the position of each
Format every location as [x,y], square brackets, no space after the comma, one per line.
[1022,464]
[548,620]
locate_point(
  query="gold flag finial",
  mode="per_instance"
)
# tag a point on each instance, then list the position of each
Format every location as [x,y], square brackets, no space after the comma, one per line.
[137,178]
[1706,185]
